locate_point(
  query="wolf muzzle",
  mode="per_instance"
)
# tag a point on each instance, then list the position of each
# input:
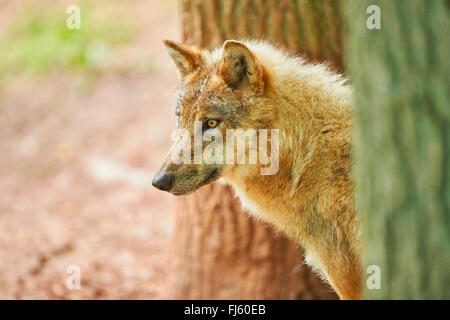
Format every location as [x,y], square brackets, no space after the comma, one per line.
[163,181]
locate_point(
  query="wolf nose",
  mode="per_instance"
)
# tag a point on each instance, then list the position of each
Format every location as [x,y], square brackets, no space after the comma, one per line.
[163,181]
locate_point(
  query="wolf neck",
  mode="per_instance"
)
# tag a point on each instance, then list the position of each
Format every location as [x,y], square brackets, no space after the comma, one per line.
[277,198]
[314,123]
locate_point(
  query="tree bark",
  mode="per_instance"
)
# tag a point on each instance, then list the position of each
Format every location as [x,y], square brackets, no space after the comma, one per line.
[219,251]
[401,144]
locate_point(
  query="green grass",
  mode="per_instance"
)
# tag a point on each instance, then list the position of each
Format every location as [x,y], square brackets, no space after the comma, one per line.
[39,41]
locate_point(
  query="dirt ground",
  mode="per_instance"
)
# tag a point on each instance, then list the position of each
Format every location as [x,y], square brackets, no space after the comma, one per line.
[77,155]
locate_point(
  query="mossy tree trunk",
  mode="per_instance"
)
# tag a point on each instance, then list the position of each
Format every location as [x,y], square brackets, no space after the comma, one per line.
[219,251]
[400,75]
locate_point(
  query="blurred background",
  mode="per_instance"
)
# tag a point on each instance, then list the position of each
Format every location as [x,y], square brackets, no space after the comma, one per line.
[85,119]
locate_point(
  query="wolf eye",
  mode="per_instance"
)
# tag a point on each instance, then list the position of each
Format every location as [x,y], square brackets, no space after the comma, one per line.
[212,123]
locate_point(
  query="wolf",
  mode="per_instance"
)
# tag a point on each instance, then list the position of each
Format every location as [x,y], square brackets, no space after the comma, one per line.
[252,84]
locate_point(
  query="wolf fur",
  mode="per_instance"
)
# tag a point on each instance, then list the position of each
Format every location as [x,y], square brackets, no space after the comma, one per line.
[253,84]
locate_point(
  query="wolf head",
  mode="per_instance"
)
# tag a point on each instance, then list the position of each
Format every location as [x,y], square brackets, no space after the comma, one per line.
[218,90]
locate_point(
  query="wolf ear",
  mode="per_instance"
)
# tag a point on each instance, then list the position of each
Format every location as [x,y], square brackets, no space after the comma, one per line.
[186,58]
[240,67]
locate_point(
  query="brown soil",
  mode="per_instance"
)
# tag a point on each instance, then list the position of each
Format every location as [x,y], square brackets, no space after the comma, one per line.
[77,155]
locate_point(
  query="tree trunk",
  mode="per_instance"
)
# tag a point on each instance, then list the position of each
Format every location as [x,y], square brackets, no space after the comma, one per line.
[401,141]
[221,252]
